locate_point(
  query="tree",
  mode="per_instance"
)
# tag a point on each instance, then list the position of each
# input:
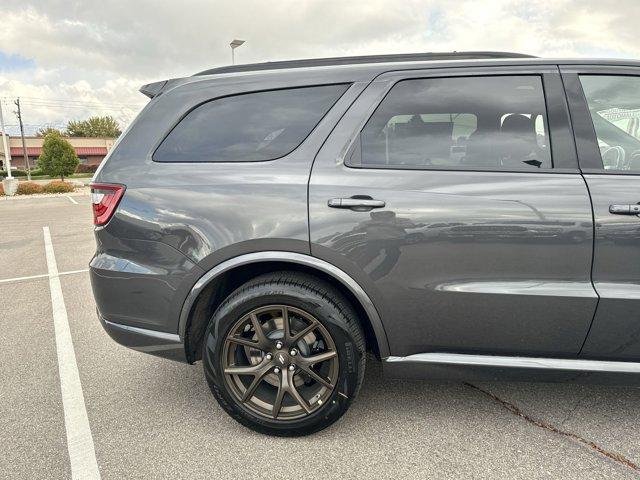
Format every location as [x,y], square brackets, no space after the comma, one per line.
[58,158]
[42,132]
[94,127]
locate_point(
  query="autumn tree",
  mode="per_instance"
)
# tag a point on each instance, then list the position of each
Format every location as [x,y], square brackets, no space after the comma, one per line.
[94,127]
[42,132]
[58,158]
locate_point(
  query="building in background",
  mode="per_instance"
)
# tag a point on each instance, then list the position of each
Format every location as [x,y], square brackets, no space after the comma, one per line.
[90,151]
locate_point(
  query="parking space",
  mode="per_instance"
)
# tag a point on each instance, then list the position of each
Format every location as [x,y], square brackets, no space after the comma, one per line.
[153,418]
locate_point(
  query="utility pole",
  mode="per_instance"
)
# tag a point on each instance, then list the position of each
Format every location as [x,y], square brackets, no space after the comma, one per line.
[24,145]
[9,184]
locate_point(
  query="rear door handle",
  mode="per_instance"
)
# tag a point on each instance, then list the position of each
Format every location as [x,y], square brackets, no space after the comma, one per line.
[356,203]
[624,209]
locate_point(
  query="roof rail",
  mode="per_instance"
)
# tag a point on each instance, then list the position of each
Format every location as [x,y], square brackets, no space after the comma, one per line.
[322,62]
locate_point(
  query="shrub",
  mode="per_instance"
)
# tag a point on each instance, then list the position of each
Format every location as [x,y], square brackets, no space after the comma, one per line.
[22,173]
[1,190]
[84,168]
[58,187]
[58,158]
[29,188]
[15,173]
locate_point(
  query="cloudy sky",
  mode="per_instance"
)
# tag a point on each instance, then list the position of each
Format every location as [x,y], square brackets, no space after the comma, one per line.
[70,59]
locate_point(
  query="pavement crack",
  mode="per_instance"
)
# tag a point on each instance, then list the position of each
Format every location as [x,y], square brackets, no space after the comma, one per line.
[616,457]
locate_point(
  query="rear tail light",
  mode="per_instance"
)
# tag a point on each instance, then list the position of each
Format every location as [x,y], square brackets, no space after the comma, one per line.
[105,198]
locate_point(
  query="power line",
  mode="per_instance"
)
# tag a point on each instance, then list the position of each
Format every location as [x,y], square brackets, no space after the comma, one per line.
[71,101]
[82,105]
[36,125]
[76,101]
[87,106]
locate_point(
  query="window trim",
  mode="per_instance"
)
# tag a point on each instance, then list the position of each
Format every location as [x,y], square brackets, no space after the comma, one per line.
[174,125]
[586,138]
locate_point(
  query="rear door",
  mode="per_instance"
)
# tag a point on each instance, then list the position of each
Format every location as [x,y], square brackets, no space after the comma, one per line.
[453,197]
[605,107]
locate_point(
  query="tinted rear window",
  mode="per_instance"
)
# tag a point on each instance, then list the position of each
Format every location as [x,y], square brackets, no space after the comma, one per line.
[466,123]
[248,127]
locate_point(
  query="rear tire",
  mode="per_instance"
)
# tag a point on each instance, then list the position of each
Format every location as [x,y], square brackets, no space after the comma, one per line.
[285,379]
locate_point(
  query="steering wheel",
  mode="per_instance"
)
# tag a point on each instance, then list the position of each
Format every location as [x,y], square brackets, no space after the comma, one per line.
[634,162]
[614,158]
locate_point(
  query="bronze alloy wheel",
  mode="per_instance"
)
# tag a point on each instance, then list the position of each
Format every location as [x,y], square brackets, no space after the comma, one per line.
[280,362]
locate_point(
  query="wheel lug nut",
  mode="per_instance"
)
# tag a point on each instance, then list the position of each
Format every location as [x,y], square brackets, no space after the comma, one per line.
[269,356]
[278,345]
[292,367]
[276,370]
[293,352]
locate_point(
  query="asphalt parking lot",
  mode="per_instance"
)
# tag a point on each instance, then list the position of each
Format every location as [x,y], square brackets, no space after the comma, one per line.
[153,418]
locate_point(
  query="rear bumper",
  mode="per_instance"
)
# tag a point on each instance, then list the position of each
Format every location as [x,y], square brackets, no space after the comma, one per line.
[161,344]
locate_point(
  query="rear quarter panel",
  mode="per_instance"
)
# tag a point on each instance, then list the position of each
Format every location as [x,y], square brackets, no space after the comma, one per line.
[178,220]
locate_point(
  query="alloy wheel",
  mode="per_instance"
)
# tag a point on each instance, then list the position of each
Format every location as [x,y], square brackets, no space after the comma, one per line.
[280,362]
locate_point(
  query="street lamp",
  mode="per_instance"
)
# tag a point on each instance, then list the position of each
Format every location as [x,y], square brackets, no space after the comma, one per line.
[9,184]
[234,44]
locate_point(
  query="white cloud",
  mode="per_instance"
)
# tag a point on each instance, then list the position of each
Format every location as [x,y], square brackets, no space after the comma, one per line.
[100,52]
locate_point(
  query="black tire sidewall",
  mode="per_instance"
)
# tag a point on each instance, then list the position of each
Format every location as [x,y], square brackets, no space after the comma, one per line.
[324,310]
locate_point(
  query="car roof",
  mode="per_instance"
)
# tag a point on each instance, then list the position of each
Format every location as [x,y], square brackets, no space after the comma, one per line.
[249,77]
[362,59]
[407,61]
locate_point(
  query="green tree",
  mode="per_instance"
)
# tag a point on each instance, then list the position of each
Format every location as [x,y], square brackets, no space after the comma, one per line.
[42,132]
[58,158]
[94,127]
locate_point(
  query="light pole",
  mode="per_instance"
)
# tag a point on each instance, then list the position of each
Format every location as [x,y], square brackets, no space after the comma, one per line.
[5,145]
[234,44]
[9,184]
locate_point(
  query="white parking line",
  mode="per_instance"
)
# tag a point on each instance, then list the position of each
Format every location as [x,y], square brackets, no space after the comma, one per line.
[20,279]
[71,272]
[82,453]
[32,277]
[72,200]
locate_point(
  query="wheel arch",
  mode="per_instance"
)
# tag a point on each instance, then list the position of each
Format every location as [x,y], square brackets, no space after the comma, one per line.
[218,282]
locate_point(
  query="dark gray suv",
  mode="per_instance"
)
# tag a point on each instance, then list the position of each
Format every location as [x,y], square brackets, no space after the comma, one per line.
[466,216]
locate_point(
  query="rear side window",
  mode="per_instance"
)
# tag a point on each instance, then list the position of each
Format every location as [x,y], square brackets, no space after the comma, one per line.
[614,103]
[496,123]
[249,127]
